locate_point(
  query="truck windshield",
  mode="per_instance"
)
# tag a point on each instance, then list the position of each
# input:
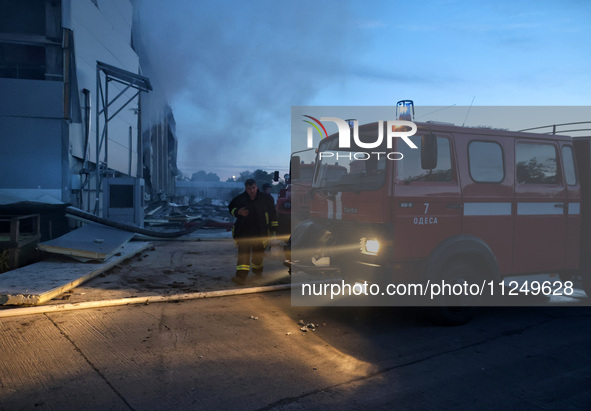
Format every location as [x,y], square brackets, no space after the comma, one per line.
[341,170]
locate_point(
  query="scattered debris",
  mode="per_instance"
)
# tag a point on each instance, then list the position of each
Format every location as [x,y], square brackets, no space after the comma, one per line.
[308,327]
[288,333]
[165,214]
[252,317]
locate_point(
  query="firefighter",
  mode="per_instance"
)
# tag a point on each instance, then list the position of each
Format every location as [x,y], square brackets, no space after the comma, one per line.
[256,220]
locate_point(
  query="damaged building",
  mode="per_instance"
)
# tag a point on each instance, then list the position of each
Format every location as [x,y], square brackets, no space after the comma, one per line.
[81,123]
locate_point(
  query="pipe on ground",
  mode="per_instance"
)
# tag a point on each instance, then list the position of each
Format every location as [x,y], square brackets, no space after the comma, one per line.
[15,312]
[131,228]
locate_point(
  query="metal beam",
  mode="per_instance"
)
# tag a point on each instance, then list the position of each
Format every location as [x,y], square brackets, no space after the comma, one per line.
[129,80]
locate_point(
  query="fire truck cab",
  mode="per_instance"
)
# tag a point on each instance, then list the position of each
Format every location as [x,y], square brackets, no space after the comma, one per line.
[469,204]
[293,203]
[296,195]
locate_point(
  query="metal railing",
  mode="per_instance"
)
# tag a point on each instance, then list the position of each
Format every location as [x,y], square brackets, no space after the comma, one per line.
[555,128]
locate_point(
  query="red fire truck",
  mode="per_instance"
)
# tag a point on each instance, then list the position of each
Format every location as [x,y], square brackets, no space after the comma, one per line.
[293,203]
[295,195]
[469,205]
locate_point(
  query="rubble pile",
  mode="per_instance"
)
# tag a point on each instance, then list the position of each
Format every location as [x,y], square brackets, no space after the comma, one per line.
[171,215]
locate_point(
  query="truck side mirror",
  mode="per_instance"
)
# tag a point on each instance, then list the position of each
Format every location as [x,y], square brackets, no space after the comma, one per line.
[428,152]
[276,176]
[294,166]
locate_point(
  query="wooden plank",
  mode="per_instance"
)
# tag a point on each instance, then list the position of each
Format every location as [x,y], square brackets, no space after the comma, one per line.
[40,282]
[91,242]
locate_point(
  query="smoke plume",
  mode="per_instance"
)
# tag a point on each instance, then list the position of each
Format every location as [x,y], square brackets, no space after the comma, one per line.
[232,70]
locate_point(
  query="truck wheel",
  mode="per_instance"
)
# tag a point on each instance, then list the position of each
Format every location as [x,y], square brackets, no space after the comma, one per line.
[456,310]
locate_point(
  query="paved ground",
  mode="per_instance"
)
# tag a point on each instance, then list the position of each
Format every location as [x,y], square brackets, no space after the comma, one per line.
[173,267]
[247,352]
[210,354]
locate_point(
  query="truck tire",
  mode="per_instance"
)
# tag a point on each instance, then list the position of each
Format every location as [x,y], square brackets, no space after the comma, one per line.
[456,310]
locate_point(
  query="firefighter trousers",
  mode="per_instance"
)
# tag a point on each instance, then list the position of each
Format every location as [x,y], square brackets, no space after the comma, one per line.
[250,255]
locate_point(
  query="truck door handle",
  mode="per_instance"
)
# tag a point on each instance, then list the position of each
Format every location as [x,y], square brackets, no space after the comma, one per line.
[560,205]
[453,206]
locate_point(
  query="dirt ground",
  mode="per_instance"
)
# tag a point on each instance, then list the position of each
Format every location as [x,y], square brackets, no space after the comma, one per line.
[174,267]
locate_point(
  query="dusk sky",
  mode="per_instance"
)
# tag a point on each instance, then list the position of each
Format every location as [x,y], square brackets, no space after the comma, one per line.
[232,70]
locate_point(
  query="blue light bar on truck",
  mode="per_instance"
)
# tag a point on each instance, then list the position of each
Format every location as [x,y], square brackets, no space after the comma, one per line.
[405,110]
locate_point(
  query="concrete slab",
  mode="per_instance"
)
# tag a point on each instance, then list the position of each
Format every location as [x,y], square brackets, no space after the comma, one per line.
[41,369]
[90,242]
[40,282]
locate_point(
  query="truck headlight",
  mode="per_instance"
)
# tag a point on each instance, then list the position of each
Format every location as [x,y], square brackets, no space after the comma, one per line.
[370,246]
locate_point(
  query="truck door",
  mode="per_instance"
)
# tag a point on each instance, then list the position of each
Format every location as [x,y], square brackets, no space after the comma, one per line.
[573,211]
[488,193]
[426,205]
[541,208]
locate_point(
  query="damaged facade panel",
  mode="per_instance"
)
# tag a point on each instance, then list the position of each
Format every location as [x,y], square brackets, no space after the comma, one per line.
[70,125]
[160,151]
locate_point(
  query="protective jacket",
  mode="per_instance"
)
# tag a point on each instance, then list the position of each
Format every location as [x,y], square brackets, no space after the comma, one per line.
[261,219]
